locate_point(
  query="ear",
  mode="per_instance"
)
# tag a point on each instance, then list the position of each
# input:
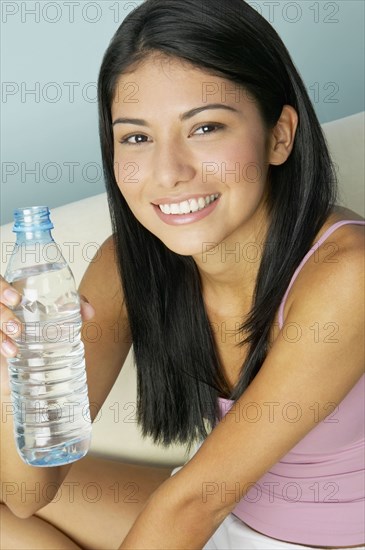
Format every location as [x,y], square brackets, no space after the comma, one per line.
[282,136]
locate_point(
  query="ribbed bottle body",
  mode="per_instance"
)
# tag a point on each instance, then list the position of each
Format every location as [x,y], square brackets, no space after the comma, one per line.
[47,376]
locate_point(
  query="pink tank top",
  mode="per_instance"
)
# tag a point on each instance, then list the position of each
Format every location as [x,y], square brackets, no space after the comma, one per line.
[315,494]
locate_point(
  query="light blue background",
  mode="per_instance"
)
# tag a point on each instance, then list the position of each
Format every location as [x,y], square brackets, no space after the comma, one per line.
[325,39]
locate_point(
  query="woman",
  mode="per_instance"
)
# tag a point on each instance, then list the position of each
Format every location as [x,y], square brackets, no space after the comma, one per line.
[246,329]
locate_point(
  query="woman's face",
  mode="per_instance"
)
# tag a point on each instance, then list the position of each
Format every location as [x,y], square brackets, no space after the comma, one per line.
[194,144]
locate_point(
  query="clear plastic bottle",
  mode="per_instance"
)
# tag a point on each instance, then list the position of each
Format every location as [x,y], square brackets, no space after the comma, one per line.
[47,377]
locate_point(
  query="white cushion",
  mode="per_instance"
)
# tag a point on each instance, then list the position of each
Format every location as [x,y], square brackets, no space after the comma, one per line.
[346,144]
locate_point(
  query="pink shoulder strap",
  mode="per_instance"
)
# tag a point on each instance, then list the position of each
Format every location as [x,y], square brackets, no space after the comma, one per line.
[307,256]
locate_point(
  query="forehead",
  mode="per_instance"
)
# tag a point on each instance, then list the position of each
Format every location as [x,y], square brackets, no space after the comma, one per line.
[161,81]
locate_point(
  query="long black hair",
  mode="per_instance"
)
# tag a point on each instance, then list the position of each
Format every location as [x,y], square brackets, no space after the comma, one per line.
[178,372]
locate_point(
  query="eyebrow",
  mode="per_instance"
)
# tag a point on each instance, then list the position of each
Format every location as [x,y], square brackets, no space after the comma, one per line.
[184,116]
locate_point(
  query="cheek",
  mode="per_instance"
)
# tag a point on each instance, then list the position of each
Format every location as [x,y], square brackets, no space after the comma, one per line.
[127,176]
[244,162]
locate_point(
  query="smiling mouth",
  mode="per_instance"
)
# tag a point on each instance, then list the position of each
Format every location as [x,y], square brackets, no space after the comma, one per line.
[188,206]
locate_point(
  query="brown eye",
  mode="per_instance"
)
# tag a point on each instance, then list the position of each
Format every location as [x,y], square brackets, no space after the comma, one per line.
[209,128]
[138,137]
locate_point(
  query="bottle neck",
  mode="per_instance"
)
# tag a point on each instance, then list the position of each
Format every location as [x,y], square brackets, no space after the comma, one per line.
[34,247]
[32,224]
[37,236]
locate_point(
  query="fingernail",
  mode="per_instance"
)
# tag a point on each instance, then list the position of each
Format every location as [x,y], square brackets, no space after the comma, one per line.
[12,328]
[8,348]
[11,296]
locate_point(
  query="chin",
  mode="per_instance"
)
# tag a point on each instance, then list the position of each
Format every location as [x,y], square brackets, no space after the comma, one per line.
[184,249]
[184,246]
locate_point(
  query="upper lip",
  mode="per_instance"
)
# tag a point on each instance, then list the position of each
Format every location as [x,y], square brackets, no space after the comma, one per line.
[181,198]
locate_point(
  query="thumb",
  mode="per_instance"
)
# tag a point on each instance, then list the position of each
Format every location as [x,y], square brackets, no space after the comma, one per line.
[87,310]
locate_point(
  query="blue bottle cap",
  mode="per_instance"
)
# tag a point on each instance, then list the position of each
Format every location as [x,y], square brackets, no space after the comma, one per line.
[32,218]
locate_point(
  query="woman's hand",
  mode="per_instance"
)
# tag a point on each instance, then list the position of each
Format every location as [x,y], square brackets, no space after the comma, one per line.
[11,326]
[87,310]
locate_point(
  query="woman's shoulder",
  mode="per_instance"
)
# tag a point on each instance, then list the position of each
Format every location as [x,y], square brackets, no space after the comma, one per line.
[349,234]
[339,258]
[105,260]
[343,245]
[102,281]
[341,252]
[342,241]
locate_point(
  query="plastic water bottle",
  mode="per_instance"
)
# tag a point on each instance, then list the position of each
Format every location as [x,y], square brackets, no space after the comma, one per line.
[47,377]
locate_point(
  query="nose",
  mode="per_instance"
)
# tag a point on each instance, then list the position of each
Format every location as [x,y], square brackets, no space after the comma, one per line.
[172,163]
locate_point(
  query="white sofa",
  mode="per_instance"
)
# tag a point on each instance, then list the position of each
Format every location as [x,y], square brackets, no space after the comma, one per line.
[83,225]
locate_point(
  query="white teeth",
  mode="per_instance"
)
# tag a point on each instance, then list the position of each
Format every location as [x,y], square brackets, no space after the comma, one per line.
[185,207]
[175,209]
[201,203]
[192,205]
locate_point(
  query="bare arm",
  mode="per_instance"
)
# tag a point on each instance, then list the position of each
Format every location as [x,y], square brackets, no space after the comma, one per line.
[106,337]
[184,512]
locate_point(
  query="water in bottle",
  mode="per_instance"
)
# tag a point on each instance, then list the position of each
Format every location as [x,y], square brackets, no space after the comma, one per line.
[47,377]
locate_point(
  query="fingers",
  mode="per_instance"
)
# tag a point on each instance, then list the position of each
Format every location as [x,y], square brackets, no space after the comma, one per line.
[9,296]
[10,325]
